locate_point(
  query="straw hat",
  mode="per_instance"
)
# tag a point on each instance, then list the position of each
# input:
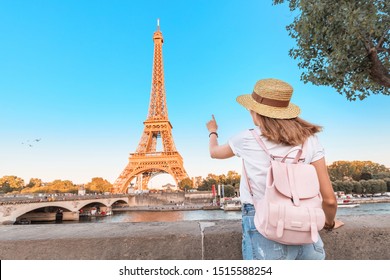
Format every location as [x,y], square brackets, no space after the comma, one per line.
[271,98]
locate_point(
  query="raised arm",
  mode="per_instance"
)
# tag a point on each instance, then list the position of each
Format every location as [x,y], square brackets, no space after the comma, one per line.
[217,151]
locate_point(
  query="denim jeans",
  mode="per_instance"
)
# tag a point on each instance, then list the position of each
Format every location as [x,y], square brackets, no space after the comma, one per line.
[256,247]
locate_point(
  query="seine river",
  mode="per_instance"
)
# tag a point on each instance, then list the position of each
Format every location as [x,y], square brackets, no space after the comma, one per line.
[194,215]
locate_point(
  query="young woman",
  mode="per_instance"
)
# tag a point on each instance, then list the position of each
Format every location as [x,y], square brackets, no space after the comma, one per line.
[279,127]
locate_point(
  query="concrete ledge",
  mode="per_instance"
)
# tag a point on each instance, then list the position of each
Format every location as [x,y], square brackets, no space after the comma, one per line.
[365,237]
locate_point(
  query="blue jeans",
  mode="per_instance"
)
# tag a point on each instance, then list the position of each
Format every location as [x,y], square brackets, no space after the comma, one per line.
[256,247]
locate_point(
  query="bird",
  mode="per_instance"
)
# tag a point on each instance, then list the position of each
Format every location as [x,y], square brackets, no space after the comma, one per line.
[30,145]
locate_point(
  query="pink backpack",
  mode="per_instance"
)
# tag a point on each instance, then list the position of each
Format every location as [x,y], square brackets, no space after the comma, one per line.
[291,210]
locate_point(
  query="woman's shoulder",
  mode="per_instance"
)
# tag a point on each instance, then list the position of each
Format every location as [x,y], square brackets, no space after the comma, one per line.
[314,148]
[313,140]
[245,133]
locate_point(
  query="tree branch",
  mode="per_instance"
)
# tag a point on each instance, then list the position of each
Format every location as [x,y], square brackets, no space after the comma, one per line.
[378,72]
[383,50]
[382,38]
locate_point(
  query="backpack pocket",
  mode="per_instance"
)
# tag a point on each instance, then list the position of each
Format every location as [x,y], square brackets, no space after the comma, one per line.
[289,224]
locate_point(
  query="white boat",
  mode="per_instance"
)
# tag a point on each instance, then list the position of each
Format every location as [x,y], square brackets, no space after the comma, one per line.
[231,205]
[346,203]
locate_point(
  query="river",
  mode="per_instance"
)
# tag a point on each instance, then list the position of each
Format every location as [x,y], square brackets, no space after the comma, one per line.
[193,215]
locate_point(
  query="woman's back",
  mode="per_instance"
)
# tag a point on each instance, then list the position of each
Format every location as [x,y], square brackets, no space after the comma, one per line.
[257,161]
[277,122]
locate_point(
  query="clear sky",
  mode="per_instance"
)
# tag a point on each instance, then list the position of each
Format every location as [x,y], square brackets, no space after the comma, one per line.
[77,75]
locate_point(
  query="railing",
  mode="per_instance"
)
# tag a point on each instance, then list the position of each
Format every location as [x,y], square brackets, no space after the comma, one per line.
[4,200]
[154,154]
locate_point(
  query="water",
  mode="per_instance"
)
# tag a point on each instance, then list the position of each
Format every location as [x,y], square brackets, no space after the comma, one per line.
[165,216]
[172,216]
[203,215]
[365,209]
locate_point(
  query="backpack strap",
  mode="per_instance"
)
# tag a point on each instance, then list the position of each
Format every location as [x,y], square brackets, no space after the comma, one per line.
[261,143]
[247,179]
[297,157]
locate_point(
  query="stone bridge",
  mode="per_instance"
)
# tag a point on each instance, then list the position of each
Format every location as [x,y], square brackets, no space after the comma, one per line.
[12,209]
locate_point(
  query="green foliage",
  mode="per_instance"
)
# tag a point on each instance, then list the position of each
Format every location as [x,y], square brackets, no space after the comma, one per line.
[343,44]
[387,181]
[344,186]
[207,185]
[34,186]
[373,186]
[229,191]
[362,187]
[59,186]
[365,176]
[381,175]
[357,187]
[185,184]
[231,178]
[98,185]
[11,184]
[34,183]
[342,170]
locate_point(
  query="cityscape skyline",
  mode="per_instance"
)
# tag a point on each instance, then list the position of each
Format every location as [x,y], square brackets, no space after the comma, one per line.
[75,81]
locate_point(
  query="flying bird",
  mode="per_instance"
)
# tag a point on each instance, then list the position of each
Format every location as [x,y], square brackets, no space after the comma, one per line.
[30,145]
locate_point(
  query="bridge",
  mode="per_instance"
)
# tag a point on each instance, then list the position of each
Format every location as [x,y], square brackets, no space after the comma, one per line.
[14,208]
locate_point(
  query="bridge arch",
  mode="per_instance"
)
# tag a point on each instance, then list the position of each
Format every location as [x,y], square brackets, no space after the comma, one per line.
[34,206]
[150,173]
[9,212]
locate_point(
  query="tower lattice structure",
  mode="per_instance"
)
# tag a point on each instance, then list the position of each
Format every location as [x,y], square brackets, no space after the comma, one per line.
[147,162]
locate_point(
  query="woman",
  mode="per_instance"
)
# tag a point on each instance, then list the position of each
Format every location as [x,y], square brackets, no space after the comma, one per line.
[278,125]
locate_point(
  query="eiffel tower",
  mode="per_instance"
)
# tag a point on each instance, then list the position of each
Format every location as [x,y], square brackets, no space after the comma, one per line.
[146,162]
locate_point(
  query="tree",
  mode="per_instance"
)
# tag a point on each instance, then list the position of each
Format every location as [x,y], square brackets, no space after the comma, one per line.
[365,176]
[374,186]
[185,184]
[233,178]
[387,181]
[99,185]
[207,183]
[229,191]
[343,44]
[357,187]
[34,186]
[59,186]
[34,183]
[11,183]
[381,175]
[341,170]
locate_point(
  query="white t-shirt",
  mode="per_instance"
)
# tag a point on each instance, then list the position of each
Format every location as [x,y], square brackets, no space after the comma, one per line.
[257,162]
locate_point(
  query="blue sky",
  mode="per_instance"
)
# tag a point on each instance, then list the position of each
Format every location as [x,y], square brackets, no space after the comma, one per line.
[77,75]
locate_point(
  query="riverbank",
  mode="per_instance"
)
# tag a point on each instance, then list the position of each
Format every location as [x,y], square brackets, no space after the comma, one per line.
[363,200]
[189,207]
[162,208]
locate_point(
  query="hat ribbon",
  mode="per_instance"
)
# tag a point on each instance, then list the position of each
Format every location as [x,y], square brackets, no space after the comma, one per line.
[269,101]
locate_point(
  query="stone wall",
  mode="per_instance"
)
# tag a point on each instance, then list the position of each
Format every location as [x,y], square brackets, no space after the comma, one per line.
[365,237]
[157,199]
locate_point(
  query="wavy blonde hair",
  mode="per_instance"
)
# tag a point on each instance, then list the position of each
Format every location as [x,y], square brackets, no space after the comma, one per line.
[291,132]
